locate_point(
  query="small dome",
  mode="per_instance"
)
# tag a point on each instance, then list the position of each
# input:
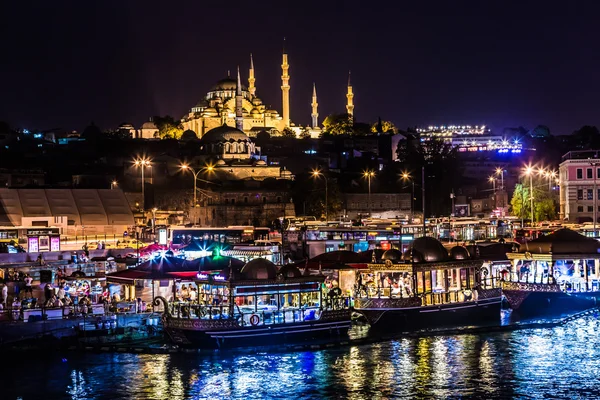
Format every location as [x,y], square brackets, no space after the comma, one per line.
[459,253]
[227,84]
[412,255]
[272,112]
[224,133]
[392,255]
[221,162]
[255,112]
[256,101]
[261,162]
[149,125]
[289,271]
[210,112]
[126,125]
[431,249]
[189,135]
[259,268]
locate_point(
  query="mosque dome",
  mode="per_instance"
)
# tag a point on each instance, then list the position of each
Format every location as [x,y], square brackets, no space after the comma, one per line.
[224,134]
[256,101]
[392,255]
[289,271]
[189,135]
[272,112]
[227,84]
[149,125]
[255,112]
[459,253]
[261,163]
[210,112]
[221,162]
[259,268]
[431,249]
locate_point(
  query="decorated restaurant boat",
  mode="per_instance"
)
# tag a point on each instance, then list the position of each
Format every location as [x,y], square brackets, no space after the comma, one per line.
[556,273]
[256,305]
[425,287]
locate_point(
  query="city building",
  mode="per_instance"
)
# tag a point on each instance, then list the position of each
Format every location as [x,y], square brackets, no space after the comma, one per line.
[579,175]
[469,138]
[383,205]
[76,212]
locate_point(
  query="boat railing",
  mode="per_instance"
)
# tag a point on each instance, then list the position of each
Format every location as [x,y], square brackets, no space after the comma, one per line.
[250,315]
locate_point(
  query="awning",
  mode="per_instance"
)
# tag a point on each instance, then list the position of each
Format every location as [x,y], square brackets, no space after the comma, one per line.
[246,253]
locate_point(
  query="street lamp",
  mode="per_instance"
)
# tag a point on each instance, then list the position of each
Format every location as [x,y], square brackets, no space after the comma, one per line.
[114,184]
[143,163]
[317,173]
[369,175]
[186,167]
[500,171]
[529,173]
[492,179]
[406,177]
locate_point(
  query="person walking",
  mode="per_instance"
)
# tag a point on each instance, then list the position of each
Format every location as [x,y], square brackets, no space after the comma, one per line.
[28,281]
[4,294]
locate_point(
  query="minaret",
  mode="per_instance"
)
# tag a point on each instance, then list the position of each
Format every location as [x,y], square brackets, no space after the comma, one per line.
[314,104]
[285,90]
[239,116]
[350,96]
[251,80]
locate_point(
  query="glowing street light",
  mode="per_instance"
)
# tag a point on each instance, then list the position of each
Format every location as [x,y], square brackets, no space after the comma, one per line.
[406,177]
[143,163]
[186,167]
[316,174]
[529,172]
[114,184]
[369,175]
[500,171]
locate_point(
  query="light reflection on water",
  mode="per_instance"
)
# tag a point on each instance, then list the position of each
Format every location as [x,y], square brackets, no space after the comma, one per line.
[562,362]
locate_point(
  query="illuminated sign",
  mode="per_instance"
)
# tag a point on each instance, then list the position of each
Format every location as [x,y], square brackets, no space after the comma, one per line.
[162,236]
[407,238]
[32,245]
[54,243]
[206,277]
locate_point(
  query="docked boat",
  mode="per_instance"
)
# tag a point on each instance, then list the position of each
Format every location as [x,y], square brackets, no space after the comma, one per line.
[556,273]
[427,286]
[257,305]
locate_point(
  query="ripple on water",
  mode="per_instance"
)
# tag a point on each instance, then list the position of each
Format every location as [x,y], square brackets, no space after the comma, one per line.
[562,362]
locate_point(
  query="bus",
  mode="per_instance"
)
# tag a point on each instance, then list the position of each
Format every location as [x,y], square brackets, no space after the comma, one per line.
[207,236]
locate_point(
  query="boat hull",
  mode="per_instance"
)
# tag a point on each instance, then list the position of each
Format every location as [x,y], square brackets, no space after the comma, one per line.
[416,317]
[533,299]
[332,327]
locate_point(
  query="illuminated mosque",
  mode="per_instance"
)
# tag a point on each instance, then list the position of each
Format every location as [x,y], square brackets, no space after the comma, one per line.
[233,104]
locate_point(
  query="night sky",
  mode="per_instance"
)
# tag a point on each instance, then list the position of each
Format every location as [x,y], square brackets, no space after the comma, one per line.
[66,63]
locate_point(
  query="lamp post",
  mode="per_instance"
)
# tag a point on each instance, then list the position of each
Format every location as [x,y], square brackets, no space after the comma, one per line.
[406,177]
[369,175]
[500,171]
[594,165]
[423,197]
[195,173]
[143,163]
[529,172]
[317,173]
[113,185]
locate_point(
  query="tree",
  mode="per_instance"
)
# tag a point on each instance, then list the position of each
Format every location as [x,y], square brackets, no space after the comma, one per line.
[305,133]
[338,124]
[168,128]
[384,127]
[308,193]
[544,208]
[288,132]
